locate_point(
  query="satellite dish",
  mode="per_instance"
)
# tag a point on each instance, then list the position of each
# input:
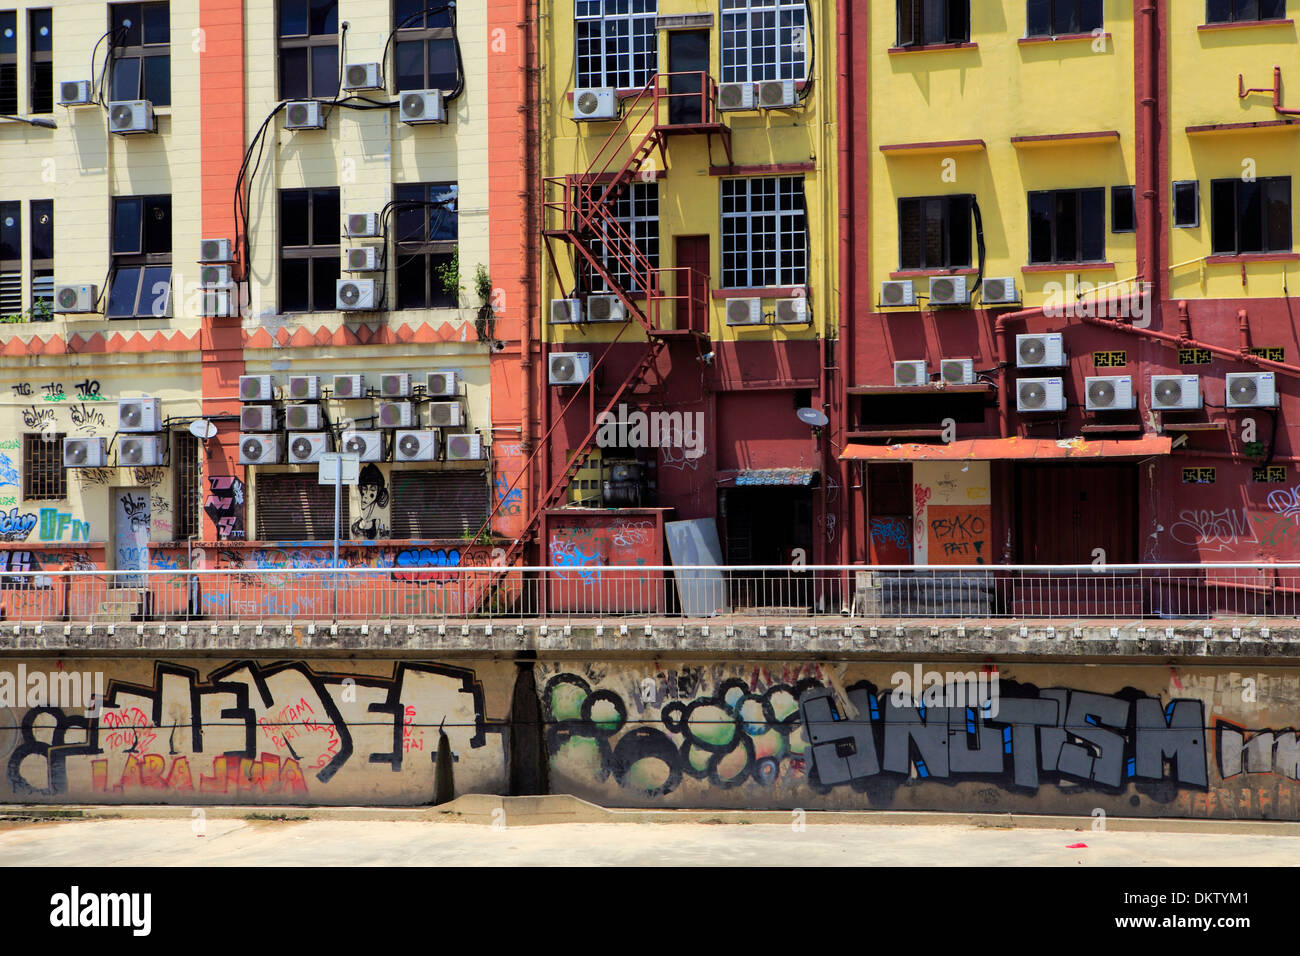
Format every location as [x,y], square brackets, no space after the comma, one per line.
[202,428]
[812,416]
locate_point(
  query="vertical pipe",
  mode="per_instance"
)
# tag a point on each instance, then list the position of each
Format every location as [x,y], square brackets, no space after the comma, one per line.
[847,272]
[1147,62]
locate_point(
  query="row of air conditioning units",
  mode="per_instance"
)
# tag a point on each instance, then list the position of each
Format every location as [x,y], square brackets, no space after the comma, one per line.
[306,448]
[307,388]
[414,107]
[791,311]
[1106,393]
[135,450]
[599,308]
[262,418]
[949,290]
[951,372]
[601,103]
[125,117]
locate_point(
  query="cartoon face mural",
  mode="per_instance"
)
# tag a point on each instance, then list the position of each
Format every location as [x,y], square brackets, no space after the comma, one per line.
[372,490]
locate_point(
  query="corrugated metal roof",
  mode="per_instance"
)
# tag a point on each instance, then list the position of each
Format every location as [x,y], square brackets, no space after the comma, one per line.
[752,477]
[998,449]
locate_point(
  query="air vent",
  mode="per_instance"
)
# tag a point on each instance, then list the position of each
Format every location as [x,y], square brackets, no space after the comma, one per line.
[130,116]
[957,371]
[442,384]
[1040,395]
[792,311]
[368,445]
[445,414]
[464,448]
[257,418]
[597,104]
[1251,390]
[361,225]
[395,385]
[897,293]
[349,386]
[569,368]
[566,311]
[139,414]
[354,295]
[605,308]
[911,373]
[215,250]
[776,94]
[396,415]
[301,418]
[305,448]
[948,290]
[75,93]
[999,292]
[1105,393]
[415,446]
[735,96]
[1174,392]
[75,298]
[1040,351]
[304,114]
[744,311]
[259,449]
[304,388]
[256,388]
[361,259]
[362,76]
[423,106]
[146,451]
[84,452]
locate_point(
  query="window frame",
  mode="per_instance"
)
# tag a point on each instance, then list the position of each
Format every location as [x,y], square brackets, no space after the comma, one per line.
[142,259]
[37,57]
[404,250]
[1263,183]
[141,52]
[1132,200]
[1195,185]
[1081,232]
[312,252]
[749,11]
[426,36]
[50,458]
[641,30]
[1233,11]
[9,62]
[1077,7]
[636,210]
[310,42]
[917,8]
[949,201]
[747,217]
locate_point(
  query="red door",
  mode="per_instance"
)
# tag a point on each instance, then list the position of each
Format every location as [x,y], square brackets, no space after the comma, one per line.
[693,286]
[1067,512]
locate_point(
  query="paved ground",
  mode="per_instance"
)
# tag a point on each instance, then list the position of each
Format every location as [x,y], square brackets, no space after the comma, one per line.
[226,842]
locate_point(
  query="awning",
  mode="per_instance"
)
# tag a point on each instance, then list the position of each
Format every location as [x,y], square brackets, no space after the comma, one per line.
[999,449]
[757,477]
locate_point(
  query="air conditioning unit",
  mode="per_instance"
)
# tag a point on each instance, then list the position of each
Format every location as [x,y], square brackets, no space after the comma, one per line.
[256,388]
[219,303]
[307,447]
[1251,390]
[215,276]
[897,293]
[259,449]
[776,94]
[445,414]
[75,93]
[304,388]
[1040,395]
[361,225]
[415,445]
[605,308]
[131,116]
[792,311]
[354,295]
[304,114]
[735,96]
[1040,351]
[395,385]
[999,292]
[948,290]
[911,373]
[744,311]
[301,418]
[422,106]
[349,386]
[84,452]
[139,414]
[146,451]
[464,447]
[1174,392]
[442,384]
[598,104]
[569,368]
[957,371]
[566,311]
[257,418]
[75,298]
[396,415]
[361,259]
[216,250]
[1106,393]
[362,76]
[368,445]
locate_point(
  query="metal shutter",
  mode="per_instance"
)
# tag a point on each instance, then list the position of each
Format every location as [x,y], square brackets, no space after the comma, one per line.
[11,293]
[438,504]
[298,508]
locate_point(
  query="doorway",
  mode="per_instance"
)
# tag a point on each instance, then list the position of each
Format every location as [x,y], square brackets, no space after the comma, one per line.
[1067,512]
[688,62]
[131,518]
[692,252]
[768,526]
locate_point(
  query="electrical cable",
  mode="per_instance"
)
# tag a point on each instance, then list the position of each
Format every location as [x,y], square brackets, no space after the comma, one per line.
[979,245]
[455,39]
[810,74]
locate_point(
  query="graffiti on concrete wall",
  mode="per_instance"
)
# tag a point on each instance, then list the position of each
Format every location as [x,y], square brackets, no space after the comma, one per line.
[225,506]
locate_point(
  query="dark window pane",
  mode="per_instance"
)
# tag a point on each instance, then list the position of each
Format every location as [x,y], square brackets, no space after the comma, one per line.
[411,282]
[122,292]
[324,71]
[11,231]
[293,18]
[958,21]
[402,9]
[1223,216]
[1092,214]
[293,285]
[293,217]
[1185,211]
[409,66]
[42,229]
[442,296]
[1040,227]
[409,220]
[158,224]
[959,231]
[1277,198]
[1067,227]
[156,292]
[127,29]
[41,36]
[8,32]
[1123,210]
[1090,15]
[324,280]
[9,88]
[907,14]
[932,229]
[293,74]
[1219,11]
[158,80]
[126,226]
[444,218]
[933,27]
[1272,9]
[42,99]
[1247,9]
[325,222]
[157,24]
[442,64]
[1250,215]
[125,82]
[324,16]
[1038,18]
[909,232]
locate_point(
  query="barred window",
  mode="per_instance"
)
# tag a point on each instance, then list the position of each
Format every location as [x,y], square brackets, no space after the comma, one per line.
[763,40]
[764,233]
[616,43]
[185,461]
[43,474]
[636,208]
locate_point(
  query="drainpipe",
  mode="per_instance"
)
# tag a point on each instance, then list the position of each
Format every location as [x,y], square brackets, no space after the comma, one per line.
[845,354]
[1148,159]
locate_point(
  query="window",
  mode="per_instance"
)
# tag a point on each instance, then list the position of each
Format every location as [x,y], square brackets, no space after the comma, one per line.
[40,66]
[636,209]
[1123,209]
[934,232]
[427,228]
[1067,225]
[142,257]
[43,474]
[11,258]
[764,233]
[438,504]
[1232,11]
[424,51]
[296,507]
[1187,204]
[185,459]
[926,22]
[8,62]
[616,43]
[42,255]
[1250,216]
[1045,18]
[309,249]
[763,40]
[141,48]
[309,49]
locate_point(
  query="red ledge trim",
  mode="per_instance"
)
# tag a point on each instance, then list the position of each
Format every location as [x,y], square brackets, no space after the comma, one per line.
[938,144]
[1068,267]
[788,292]
[1101,134]
[932,47]
[922,273]
[1228,127]
[1253,257]
[763,170]
[1060,38]
[1246,23]
[631,93]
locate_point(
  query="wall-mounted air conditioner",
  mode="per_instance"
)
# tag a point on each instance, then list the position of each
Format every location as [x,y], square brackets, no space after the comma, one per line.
[367,445]
[735,96]
[139,414]
[595,104]
[362,76]
[361,225]
[415,445]
[605,308]
[1040,395]
[957,371]
[1041,350]
[1251,390]
[361,259]
[744,311]
[397,415]
[301,418]
[464,447]
[911,373]
[422,106]
[776,94]
[131,116]
[213,276]
[304,114]
[566,311]
[257,418]
[1106,393]
[1175,392]
[307,447]
[145,451]
[395,385]
[75,298]
[1000,291]
[256,388]
[793,311]
[445,415]
[75,93]
[948,290]
[569,368]
[442,384]
[349,386]
[304,388]
[216,250]
[259,449]
[898,292]
[84,452]
[354,295]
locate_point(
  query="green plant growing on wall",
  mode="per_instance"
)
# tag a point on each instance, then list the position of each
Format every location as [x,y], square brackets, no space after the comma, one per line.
[485,319]
[449,275]
[1254,449]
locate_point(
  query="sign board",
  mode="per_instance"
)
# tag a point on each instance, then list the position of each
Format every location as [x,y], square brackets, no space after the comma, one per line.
[340,468]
